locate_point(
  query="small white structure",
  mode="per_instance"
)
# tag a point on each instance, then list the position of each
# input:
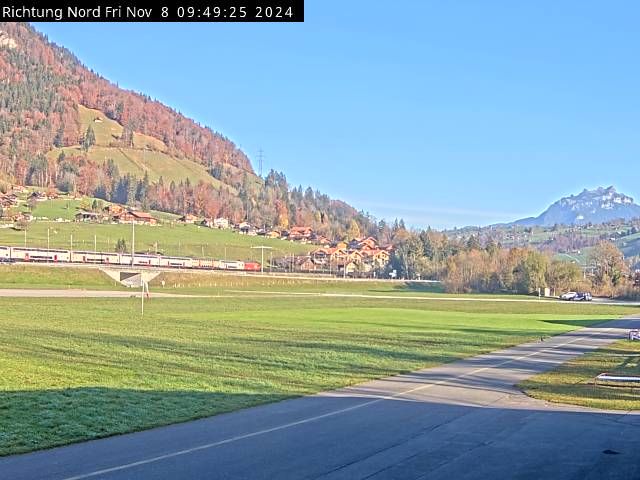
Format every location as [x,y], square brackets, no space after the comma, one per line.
[634,335]
[221,222]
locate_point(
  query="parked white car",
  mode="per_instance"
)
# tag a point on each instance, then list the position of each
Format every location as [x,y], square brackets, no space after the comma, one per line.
[568,296]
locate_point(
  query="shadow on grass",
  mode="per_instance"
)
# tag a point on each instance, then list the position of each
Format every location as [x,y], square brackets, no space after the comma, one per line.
[586,322]
[39,419]
[413,287]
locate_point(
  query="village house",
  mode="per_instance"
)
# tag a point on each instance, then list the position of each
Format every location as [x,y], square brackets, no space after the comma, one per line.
[221,222]
[22,217]
[246,228]
[305,264]
[328,256]
[188,218]
[300,234]
[137,217]
[38,196]
[113,210]
[368,243]
[355,256]
[377,258]
[320,240]
[85,216]
[9,200]
[348,268]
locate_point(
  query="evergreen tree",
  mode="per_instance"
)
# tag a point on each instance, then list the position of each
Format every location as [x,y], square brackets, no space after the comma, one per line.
[121,246]
[58,140]
[89,139]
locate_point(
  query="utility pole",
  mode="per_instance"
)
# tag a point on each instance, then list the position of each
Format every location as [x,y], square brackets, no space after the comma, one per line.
[142,294]
[260,159]
[262,249]
[133,239]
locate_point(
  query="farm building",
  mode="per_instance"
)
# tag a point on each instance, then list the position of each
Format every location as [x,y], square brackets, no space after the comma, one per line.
[188,218]
[137,217]
[84,216]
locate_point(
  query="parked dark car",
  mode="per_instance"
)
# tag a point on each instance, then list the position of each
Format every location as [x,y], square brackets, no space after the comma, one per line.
[582,297]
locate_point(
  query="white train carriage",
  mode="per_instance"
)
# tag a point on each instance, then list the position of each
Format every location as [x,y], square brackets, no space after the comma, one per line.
[178,262]
[23,254]
[231,265]
[203,263]
[5,254]
[99,258]
[140,260]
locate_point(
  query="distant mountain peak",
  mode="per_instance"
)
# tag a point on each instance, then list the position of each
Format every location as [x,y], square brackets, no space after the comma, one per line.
[589,206]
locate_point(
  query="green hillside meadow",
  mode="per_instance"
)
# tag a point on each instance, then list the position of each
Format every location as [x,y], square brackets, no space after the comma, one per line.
[148,154]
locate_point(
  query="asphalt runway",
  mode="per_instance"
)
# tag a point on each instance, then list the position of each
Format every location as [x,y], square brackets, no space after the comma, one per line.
[463,420]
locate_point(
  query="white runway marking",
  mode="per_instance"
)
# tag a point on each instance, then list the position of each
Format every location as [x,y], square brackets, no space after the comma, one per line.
[420,297]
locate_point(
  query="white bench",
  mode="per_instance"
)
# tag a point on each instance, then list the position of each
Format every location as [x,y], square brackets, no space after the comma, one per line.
[607,377]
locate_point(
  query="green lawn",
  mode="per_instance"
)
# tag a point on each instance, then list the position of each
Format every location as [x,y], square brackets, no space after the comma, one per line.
[39,276]
[573,382]
[169,239]
[75,369]
[219,282]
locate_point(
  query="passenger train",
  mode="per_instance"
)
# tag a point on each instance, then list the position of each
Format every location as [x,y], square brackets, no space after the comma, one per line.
[23,254]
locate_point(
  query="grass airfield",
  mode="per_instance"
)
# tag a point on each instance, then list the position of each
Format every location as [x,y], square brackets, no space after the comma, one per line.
[75,368]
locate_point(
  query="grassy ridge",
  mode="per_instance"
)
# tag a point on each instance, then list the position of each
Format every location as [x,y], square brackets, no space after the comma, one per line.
[75,369]
[30,276]
[171,239]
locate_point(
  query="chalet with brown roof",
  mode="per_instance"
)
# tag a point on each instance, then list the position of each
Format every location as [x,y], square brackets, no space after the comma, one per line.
[329,255]
[114,209]
[22,217]
[306,264]
[9,200]
[378,258]
[320,240]
[300,233]
[347,267]
[188,218]
[363,243]
[38,196]
[355,256]
[137,217]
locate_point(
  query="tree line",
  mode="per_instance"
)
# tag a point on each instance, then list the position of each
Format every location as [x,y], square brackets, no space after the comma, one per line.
[473,266]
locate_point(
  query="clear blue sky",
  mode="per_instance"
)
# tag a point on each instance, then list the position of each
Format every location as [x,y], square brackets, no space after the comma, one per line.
[444,113]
